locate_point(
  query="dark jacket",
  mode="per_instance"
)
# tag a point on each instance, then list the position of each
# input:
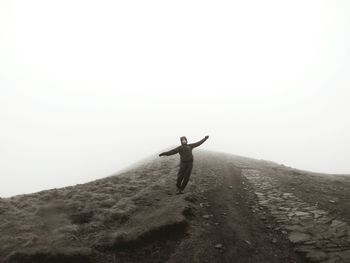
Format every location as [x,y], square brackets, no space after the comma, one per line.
[185,151]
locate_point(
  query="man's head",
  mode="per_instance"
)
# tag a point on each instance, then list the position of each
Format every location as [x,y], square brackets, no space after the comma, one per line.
[183,140]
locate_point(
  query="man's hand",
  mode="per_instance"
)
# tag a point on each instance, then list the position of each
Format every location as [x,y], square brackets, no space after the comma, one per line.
[207,137]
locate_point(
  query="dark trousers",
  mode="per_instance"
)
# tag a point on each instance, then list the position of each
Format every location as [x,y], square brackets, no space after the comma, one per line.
[184,174]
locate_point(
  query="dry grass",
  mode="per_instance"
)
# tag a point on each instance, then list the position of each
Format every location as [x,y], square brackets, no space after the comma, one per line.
[81,216]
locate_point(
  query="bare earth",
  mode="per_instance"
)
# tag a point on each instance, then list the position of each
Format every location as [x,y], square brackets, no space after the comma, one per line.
[234,209]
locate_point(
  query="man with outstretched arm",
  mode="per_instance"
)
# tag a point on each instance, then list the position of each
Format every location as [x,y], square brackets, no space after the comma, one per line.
[186,164]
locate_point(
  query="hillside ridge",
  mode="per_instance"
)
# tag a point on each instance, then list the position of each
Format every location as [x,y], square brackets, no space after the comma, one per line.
[135,216]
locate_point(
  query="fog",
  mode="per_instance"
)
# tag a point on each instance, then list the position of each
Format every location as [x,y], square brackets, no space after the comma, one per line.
[90,87]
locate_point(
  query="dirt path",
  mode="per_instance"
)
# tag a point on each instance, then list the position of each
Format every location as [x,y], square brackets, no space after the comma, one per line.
[225,228]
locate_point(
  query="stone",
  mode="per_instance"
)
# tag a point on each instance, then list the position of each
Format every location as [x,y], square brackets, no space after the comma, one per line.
[248,242]
[345,255]
[207,216]
[318,212]
[300,213]
[304,249]
[311,242]
[282,208]
[296,228]
[219,246]
[316,256]
[332,260]
[317,215]
[341,232]
[324,220]
[335,249]
[282,220]
[337,223]
[298,237]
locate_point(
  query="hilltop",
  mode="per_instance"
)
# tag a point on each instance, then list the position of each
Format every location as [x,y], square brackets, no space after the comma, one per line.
[234,209]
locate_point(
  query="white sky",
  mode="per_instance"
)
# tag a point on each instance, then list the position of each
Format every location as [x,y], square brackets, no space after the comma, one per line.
[89,87]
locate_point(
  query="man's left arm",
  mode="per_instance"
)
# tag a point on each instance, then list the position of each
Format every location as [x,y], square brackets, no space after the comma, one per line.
[196,144]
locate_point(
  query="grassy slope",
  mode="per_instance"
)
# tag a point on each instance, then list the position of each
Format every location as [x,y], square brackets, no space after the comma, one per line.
[86,216]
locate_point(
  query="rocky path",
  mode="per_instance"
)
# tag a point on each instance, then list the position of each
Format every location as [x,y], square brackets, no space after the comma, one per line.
[313,231]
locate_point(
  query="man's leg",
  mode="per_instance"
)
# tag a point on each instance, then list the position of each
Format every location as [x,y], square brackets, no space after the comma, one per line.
[187,175]
[180,175]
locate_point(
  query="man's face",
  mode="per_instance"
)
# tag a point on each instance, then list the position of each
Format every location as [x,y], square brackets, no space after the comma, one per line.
[183,141]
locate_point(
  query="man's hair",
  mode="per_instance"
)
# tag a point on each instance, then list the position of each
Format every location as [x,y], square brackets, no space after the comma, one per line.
[183,137]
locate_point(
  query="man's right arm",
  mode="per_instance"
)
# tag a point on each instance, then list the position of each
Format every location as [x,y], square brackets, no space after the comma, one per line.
[171,152]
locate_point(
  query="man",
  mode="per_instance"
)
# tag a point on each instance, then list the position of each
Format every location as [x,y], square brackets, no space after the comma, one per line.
[186,164]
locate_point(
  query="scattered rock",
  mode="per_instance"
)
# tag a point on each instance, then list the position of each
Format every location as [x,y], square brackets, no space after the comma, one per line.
[204,205]
[207,216]
[248,242]
[337,223]
[219,246]
[316,256]
[274,240]
[311,242]
[345,255]
[300,213]
[191,198]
